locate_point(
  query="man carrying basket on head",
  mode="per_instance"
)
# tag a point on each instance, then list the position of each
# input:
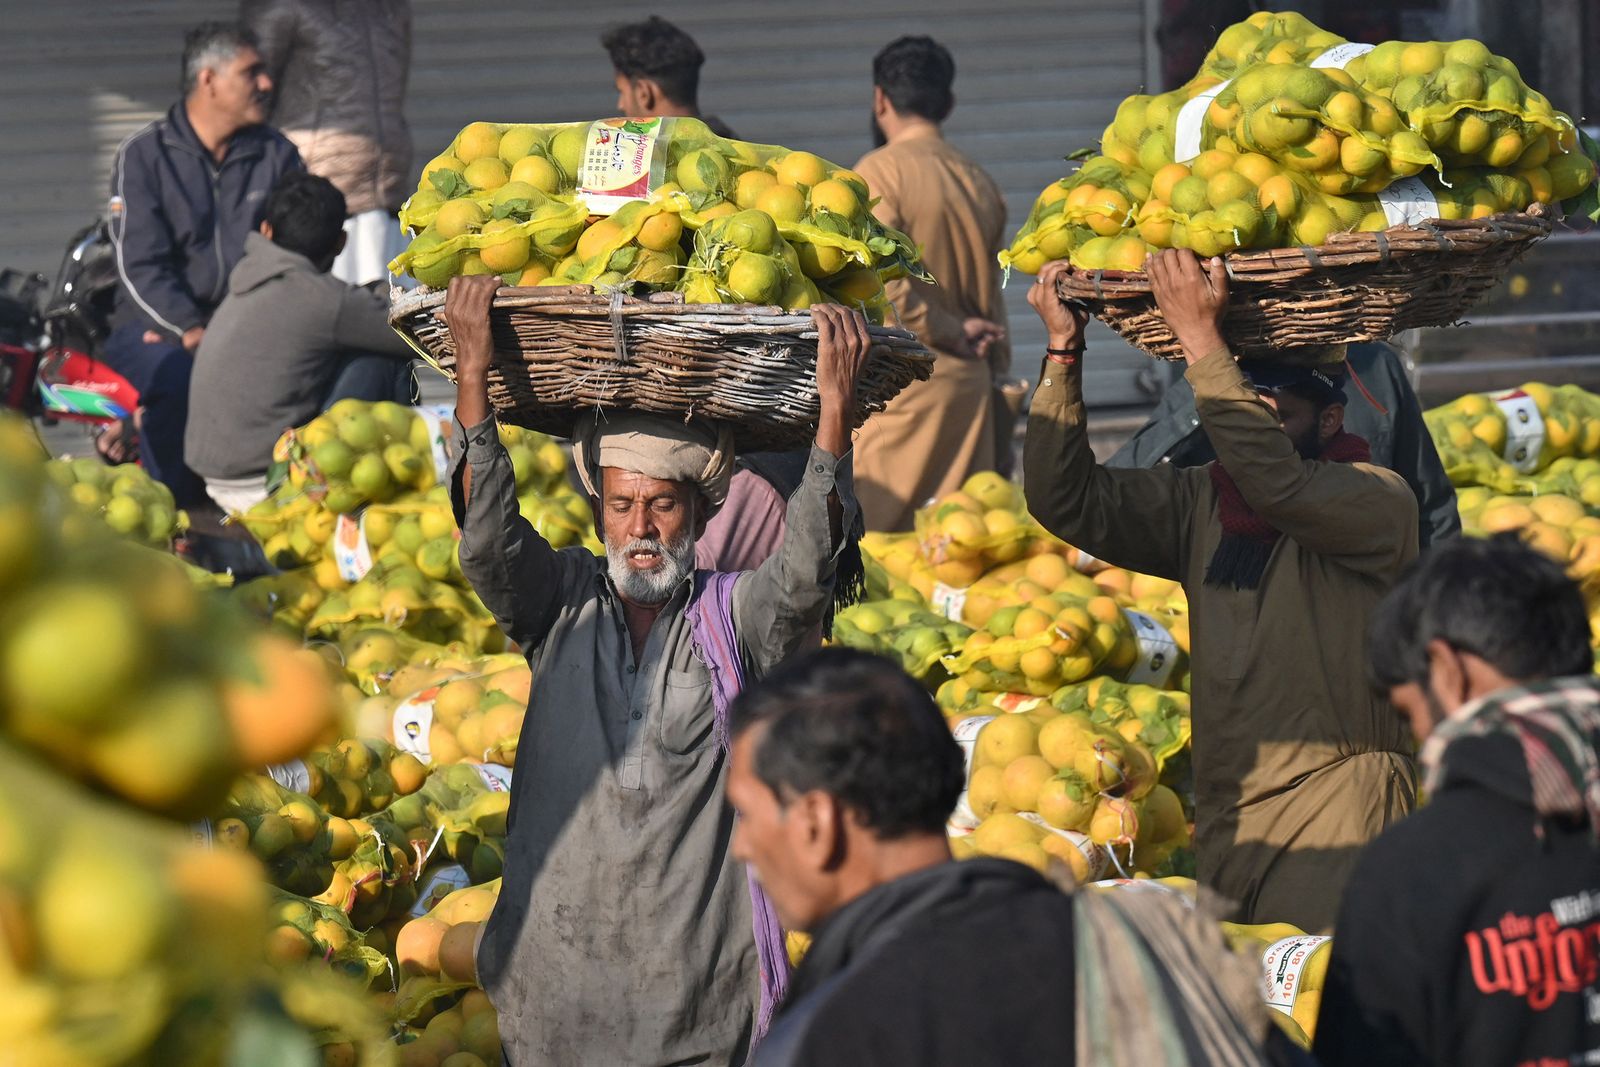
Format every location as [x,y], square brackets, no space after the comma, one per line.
[1284,546]
[625,933]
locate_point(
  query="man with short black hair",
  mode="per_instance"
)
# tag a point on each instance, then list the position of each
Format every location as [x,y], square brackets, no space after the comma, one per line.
[185,190]
[657,70]
[934,433]
[843,775]
[289,340]
[1470,932]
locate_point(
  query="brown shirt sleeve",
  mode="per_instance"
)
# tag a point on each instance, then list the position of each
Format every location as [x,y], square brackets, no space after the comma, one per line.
[1364,514]
[1133,518]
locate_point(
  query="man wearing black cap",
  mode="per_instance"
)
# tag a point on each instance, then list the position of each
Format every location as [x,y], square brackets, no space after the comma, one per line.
[1284,546]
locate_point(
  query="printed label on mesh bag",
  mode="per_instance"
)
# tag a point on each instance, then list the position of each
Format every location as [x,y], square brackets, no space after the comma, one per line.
[616,163]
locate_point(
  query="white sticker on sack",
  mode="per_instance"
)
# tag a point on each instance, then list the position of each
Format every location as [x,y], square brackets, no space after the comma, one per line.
[966,735]
[496,777]
[413,718]
[1158,651]
[441,420]
[1408,202]
[1093,854]
[1282,964]
[617,163]
[440,884]
[1524,429]
[1340,55]
[949,601]
[1191,119]
[351,553]
[294,775]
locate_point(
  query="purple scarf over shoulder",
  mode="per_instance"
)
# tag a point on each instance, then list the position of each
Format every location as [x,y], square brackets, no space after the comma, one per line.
[710,614]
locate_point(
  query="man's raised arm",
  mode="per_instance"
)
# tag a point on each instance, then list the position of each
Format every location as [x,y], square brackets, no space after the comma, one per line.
[1139,519]
[514,571]
[781,602]
[1363,514]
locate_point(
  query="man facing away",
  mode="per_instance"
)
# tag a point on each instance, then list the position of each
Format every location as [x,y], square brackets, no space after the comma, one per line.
[935,433]
[185,191]
[287,341]
[657,68]
[1470,932]
[340,71]
[843,775]
[625,932]
[1284,546]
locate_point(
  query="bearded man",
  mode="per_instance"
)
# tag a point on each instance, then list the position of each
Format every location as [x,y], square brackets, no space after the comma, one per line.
[1284,546]
[625,931]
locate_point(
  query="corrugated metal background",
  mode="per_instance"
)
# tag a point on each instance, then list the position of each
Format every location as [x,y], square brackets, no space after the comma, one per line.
[1035,80]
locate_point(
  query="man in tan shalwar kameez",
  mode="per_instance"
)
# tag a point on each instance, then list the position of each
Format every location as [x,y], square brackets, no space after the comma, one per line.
[1284,546]
[937,432]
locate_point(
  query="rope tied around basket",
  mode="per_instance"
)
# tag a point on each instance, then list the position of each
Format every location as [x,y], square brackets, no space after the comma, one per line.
[1382,240]
[1313,259]
[1439,238]
[619,344]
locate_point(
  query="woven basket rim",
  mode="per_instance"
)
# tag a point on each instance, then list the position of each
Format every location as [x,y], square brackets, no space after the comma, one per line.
[1351,249]
[591,300]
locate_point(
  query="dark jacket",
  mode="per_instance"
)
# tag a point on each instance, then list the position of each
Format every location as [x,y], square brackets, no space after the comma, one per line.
[1469,933]
[179,218]
[245,391]
[959,964]
[1390,420]
[340,69]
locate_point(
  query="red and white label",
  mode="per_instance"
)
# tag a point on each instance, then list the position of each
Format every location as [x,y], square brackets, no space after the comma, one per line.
[496,777]
[617,157]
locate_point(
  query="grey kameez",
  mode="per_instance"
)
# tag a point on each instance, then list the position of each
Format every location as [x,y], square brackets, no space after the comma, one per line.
[623,930]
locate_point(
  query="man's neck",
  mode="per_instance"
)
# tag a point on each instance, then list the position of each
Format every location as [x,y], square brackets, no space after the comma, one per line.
[640,618]
[214,135]
[887,861]
[898,130]
[669,110]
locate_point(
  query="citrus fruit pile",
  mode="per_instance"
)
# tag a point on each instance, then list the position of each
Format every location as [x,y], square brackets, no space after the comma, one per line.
[127,499]
[542,204]
[1289,134]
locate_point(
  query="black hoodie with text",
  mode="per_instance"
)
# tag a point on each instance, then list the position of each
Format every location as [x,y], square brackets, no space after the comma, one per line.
[1470,932]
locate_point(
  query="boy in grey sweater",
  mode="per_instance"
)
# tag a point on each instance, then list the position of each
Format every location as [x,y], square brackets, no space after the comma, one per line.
[287,341]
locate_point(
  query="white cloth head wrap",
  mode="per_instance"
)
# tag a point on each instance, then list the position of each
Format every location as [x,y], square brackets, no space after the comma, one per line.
[656,446]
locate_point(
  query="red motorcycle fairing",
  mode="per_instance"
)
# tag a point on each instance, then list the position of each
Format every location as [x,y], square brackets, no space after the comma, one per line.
[18,367]
[75,385]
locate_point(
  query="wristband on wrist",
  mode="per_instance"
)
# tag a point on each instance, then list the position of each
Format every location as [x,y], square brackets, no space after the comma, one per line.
[1064,356]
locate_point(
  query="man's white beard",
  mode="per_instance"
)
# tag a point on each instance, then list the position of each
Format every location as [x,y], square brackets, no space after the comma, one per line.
[652,586]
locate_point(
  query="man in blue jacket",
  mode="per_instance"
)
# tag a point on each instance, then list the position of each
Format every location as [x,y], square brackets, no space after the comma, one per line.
[185,191]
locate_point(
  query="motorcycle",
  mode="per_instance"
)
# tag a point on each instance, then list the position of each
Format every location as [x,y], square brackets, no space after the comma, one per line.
[49,334]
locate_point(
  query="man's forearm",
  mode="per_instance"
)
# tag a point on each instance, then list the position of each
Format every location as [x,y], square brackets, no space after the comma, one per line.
[472,407]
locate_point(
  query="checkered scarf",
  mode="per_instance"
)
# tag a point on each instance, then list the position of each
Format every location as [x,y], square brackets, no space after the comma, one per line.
[1557,725]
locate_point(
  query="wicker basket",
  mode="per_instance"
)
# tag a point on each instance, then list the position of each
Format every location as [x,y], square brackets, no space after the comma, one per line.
[562,350]
[1357,287]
